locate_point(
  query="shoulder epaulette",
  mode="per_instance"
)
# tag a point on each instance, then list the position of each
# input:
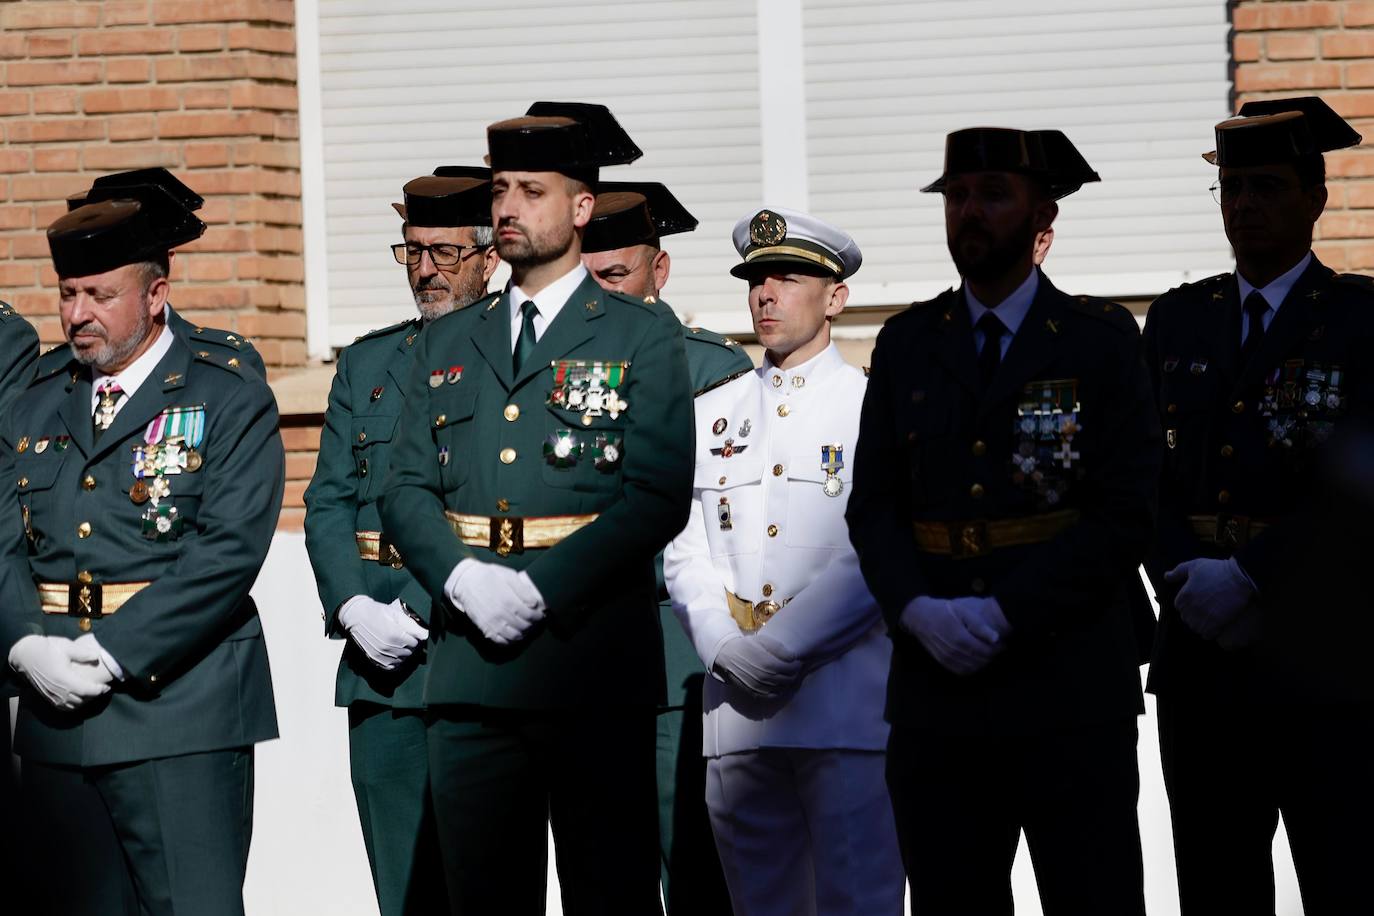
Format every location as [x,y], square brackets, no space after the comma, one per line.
[922,307]
[1199,285]
[7,312]
[54,360]
[650,304]
[226,361]
[702,335]
[477,305]
[1358,281]
[383,332]
[199,334]
[1114,314]
[725,381]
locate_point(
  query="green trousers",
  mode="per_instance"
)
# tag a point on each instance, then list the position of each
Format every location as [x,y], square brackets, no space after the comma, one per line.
[158,837]
[390,769]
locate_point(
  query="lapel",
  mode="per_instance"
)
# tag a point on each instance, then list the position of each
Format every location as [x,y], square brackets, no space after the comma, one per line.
[149,400]
[569,330]
[76,409]
[954,350]
[398,367]
[1293,322]
[1034,345]
[492,338]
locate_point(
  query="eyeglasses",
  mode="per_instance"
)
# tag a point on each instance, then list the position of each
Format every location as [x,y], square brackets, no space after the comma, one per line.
[1262,188]
[442,255]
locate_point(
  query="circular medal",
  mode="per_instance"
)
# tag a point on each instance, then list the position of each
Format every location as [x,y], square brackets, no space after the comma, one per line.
[611,453]
[1333,401]
[833,486]
[138,493]
[193,460]
[1312,398]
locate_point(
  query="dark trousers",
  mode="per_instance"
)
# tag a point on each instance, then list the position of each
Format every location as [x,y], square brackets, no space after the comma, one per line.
[152,838]
[500,777]
[389,761]
[693,882]
[1231,771]
[962,802]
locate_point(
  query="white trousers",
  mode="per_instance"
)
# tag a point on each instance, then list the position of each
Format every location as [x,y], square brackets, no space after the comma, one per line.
[805,832]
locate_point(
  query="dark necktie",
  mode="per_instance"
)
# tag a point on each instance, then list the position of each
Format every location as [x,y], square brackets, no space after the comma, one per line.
[1255,307]
[524,344]
[110,395]
[991,356]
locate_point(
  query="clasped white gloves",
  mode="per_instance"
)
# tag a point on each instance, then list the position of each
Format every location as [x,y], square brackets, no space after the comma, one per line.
[503,603]
[68,673]
[758,663]
[1216,599]
[385,632]
[961,634]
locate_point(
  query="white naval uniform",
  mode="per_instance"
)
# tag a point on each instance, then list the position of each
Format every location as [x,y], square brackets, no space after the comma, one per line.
[795,785]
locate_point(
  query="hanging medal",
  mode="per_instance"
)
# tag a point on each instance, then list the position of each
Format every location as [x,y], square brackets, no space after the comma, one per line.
[832,461]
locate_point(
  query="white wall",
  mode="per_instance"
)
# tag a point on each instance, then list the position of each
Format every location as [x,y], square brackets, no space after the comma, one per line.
[308,854]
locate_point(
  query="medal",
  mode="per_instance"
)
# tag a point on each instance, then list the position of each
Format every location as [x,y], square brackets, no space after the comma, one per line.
[40,446]
[745,429]
[832,461]
[606,451]
[138,493]
[23,445]
[377,393]
[718,427]
[723,513]
[562,449]
[436,378]
[193,460]
[728,449]
[1198,366]
[61,442]
[454,374]
[161,523]
[443,456]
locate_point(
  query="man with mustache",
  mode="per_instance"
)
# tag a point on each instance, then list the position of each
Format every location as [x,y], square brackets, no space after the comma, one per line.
[1003,497]
[368,595]
[622,249]
[1265,704]
[542,458]
[148,477]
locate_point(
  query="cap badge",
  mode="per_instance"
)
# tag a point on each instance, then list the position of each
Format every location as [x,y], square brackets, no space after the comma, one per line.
[767,228]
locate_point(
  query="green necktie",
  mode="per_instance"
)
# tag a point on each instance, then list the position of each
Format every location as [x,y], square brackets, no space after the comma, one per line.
[524,345]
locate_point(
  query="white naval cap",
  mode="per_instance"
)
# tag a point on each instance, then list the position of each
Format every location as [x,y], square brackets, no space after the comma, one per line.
[781,235]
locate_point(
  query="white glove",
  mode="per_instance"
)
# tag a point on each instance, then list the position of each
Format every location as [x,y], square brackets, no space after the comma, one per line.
[758,664]
[502,603]
[946,636]
[1212,594]
[385,632]
[65,673]
[110,669]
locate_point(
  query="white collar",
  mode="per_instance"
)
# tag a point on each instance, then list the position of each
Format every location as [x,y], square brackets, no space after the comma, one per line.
[132,377]
[1277,289]
[1011,310]
[549,300]
[785,381]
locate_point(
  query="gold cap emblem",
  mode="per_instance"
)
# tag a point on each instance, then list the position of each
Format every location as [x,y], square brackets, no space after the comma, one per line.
[767,228]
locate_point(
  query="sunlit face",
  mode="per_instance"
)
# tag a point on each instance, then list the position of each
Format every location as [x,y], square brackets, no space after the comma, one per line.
[790,308]
[639,270]
[442,289]
[109,317]
[1266,210]
[991,222]
[536,215]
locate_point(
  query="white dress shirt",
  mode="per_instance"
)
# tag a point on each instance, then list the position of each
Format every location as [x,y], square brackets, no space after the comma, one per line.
[132,376]
[1011,310]
[549,300]
[1274,292]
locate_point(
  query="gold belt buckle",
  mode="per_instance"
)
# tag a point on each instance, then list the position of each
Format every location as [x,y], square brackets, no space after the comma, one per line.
[968,539]
[507,536]
[764,611]
[387,554]
[84,600]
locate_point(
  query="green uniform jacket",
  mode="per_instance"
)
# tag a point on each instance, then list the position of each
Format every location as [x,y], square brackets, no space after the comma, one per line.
[214,340]
[711,359]
[18,356]
[365,403]
[599,643]
[190,644]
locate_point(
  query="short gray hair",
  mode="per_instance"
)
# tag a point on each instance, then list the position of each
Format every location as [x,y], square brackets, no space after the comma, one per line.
[483,236]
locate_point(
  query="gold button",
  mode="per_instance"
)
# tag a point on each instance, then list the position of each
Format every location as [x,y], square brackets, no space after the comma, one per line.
[503,505]
[722,481]
[976,491]
[85,577]
[152,679]
[1224,497]
[586,420]
[767,591]
[507,456]
[441,419]
[23,481]
[798,381]
[1227,451]
[777,381]
[88,482]
[83,530]
[783,410]
[362,437]
[777,470]
[234,362]
[772,531]
[203,354]
[980,448]
[84,624]
[512,412]
[1172,408]
[1238,407]
[978,586]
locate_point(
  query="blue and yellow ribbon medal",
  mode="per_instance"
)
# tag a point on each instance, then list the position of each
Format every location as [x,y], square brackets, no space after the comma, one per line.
[832,461]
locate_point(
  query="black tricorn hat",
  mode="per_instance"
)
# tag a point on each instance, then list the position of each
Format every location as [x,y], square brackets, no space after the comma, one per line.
[1048,155]
[124,218]
[464,171]
[634,213]
[1280,130]
[570,137]
[444,201]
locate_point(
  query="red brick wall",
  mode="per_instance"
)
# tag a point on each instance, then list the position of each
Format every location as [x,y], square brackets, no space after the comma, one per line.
[206,88]
[1300,47]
